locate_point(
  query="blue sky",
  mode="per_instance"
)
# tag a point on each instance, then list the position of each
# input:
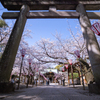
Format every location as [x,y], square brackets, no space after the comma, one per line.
[44,28]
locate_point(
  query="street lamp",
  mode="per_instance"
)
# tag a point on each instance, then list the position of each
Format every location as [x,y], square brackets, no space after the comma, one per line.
[29,60]
[77,53]
[70,62]
[22,54]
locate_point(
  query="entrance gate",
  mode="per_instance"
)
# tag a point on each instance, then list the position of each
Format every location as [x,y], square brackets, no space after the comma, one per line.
[79,7]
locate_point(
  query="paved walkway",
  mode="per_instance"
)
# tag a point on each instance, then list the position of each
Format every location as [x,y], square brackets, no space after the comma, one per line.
[51,93]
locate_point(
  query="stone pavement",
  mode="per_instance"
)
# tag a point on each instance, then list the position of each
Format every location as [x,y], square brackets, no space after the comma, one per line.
[53,92]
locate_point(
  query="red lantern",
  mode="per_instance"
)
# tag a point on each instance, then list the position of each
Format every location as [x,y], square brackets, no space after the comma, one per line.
[37,69]
[70,61]
[66,65]
[63,69]
[23,52]
[29,60]
[96,28]
[77,53]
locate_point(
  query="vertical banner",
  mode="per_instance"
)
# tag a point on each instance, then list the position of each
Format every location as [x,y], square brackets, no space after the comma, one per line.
[96,28]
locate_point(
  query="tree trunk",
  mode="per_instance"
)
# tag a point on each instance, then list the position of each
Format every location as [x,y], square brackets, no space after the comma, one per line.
[88,72]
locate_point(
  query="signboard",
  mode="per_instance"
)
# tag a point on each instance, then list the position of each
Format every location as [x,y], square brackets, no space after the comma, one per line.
[96,28]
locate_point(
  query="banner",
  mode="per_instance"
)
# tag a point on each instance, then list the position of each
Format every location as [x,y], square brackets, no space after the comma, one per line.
[96,28]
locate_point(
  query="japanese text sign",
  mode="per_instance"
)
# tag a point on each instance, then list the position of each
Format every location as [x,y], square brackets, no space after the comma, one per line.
[96,28]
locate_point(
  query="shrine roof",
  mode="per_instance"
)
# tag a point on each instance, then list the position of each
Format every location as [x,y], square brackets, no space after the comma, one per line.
[45,4]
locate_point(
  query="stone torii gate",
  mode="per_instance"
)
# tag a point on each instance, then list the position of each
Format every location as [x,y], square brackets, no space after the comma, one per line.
[24,6]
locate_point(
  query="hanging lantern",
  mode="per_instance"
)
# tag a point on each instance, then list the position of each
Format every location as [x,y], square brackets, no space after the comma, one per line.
[66,65]
[29,60]
[70,61]
[36,69]
[77,53]
[96,28]
[23,52]
[63,69]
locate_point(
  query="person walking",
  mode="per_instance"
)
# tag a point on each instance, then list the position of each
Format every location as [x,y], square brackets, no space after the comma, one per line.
[47,80]
[63,82]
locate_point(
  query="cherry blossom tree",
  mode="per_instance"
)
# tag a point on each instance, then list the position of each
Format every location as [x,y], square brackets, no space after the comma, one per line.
[61,50]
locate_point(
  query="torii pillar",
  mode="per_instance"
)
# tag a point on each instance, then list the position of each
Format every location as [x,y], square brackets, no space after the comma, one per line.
[91,42]
[8,57]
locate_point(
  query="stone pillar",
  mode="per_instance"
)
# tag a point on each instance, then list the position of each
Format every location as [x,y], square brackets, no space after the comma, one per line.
[8,57]
[91,42]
